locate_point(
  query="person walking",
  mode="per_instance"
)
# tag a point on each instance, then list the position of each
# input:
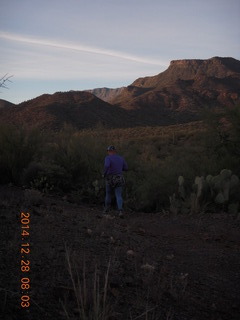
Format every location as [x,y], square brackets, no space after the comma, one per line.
[114,165]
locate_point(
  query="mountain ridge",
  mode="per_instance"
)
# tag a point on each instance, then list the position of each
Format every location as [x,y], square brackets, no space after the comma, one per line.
[187,69]
[176,95]
[206,79]
[51,111]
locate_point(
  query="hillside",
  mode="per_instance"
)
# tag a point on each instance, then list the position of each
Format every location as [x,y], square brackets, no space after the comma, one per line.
[177,268]
[187,85]
[5,104]
[78,108]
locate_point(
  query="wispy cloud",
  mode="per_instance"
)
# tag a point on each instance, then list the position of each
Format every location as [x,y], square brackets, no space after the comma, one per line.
[77,47]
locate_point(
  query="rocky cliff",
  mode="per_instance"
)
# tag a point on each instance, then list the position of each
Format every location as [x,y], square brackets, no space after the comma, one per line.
[186,85]
[106,94]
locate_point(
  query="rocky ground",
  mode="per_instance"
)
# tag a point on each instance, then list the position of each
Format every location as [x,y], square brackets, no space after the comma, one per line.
[84,265]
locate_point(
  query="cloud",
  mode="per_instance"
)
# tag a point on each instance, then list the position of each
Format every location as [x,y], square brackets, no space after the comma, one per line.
[27,62]
[77,47]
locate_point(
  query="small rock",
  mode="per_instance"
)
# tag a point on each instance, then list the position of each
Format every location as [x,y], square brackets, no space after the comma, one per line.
[114,292]
[104,235]
[112,240]
[214,306]
[183,276]
[130,253]
[89,231]
[170,256]
[141,231]
[148,267]
[108,216]
[129,281]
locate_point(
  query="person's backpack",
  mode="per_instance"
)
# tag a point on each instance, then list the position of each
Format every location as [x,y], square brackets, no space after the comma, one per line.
[115,180]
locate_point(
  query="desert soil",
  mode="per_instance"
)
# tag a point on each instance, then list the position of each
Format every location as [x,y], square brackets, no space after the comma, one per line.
[159,266]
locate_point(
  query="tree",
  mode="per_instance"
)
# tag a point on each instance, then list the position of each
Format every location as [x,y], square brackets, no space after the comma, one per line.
[4,80]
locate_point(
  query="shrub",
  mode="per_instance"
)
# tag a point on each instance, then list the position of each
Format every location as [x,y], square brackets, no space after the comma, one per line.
[19,146]
[80,156]
[31,173]
[51,177]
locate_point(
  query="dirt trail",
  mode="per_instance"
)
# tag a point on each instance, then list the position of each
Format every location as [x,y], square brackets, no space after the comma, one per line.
[175,267]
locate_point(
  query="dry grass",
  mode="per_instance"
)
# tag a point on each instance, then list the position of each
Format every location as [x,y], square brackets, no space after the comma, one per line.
[91,296]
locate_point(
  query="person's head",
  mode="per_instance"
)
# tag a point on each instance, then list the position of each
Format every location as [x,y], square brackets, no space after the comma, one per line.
[111,150]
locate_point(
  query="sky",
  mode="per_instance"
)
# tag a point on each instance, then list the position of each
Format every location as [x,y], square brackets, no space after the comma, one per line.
[59,45]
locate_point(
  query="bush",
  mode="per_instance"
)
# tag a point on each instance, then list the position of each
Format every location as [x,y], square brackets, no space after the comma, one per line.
[51,177]
[80,156]
[31,173]
[19,146]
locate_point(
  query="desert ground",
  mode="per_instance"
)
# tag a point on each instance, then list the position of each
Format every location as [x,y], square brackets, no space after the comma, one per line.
[86,265]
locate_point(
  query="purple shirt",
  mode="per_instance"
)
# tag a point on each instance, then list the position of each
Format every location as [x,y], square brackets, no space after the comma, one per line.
[114,164]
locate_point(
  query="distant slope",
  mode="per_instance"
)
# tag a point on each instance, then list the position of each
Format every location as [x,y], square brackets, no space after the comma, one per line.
[6,104]
[106,94]
[78,108]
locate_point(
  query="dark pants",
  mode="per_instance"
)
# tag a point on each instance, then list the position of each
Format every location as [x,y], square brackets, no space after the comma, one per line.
[118,195]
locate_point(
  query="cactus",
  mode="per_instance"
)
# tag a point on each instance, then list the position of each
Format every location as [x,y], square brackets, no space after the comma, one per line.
[226,189]
[233,208]
[223,184]
[181,188]
[194,208]
[220,199]
[222,189]
[180,180]
[209,179]
[199,181]
[226,174]
[174,204]
[201,190]
[234,181]
[209,183]
[216,183]
[96,186]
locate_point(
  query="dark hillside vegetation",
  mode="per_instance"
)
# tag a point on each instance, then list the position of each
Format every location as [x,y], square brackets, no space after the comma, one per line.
[70,162]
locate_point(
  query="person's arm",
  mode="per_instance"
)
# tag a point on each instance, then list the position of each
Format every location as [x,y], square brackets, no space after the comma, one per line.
[106,166]
[125,166]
